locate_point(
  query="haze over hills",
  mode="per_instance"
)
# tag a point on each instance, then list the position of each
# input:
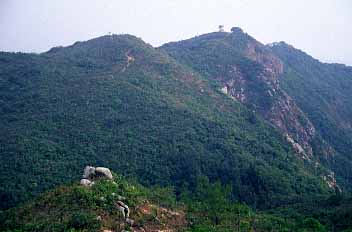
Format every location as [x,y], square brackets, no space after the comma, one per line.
[267,120]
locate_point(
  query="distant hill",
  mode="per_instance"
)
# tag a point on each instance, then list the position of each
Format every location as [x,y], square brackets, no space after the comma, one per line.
[116,101]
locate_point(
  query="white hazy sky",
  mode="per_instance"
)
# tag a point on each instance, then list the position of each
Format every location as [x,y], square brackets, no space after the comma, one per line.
[322,28]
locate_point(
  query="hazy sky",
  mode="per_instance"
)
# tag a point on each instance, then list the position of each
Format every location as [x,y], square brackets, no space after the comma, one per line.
[322,28]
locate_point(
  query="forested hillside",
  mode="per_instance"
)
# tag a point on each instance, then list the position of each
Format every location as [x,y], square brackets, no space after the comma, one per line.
[221,130]
[116,101]
[307,101]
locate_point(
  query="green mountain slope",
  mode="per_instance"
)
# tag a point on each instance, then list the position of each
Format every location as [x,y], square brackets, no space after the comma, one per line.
[248,72]
[116,101]
[324,92]
[308,102]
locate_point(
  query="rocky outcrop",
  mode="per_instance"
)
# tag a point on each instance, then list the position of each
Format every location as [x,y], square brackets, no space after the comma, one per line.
[265,96]
[91,173]
[123,208]
[285,115]
[262,93]
[331,181]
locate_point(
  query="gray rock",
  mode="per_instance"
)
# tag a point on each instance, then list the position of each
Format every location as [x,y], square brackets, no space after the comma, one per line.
[86,182]
[105,172]
[123,208]
[130,221]
[88,172]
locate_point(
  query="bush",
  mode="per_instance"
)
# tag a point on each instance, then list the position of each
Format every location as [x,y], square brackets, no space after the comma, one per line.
[84,220]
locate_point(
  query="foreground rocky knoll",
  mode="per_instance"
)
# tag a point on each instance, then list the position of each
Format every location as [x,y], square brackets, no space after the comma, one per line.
[108,203]
[105,202]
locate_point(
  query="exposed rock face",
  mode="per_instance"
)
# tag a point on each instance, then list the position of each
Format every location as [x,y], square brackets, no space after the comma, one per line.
[249,72]
[269,99]
[257,52]
[164,219]
[275,105]
[285,115]
[331,181]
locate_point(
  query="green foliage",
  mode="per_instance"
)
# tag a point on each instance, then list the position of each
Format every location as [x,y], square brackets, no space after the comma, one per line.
[74,207]
[311,224]
[83,221]
[209,207]
[333,212]
[163,196]
[153,119]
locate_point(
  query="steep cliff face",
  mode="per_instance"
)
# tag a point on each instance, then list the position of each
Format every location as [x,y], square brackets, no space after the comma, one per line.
[283,113]
[324,92]
[249,72]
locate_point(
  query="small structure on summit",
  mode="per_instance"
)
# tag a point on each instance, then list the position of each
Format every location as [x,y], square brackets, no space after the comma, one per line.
[221,28]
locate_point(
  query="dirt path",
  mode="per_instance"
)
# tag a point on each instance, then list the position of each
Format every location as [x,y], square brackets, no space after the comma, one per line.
[130,60]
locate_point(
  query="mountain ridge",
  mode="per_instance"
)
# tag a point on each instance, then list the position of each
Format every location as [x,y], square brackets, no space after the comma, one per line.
[260,91]
[118,102]
[213,122]
[303,142]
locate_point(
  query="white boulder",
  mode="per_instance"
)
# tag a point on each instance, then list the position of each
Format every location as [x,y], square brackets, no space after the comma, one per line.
[100,171]
[86,182]
[88,172]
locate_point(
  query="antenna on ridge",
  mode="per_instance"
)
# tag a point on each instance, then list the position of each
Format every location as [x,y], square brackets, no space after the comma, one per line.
[221,28]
